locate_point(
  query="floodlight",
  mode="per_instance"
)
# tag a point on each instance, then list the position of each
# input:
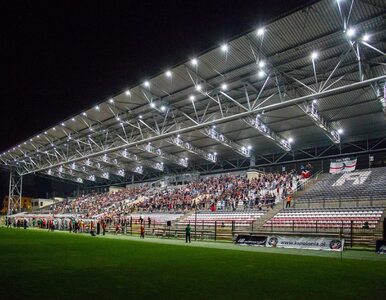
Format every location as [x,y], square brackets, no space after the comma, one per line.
[350,32]
[366,38]
[261,74]
[260,31]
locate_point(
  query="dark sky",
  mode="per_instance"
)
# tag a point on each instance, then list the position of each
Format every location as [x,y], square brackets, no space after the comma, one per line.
[59,57]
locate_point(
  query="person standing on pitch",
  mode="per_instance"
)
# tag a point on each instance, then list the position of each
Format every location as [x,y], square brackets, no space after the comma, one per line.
[142,236]
[187,233]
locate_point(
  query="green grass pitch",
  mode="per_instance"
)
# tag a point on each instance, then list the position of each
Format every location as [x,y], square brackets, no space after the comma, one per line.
[44,265]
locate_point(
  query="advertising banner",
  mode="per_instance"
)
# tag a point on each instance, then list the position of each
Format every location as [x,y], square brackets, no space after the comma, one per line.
[313,243]
[343,165]
[252,240]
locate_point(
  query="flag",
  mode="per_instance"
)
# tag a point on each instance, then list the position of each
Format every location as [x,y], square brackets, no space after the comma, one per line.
[342,166]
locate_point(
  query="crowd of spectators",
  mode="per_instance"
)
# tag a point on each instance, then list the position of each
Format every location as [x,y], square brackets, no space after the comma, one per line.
[223,192]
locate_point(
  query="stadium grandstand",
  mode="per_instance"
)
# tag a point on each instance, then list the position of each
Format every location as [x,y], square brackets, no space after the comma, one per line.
[281,130]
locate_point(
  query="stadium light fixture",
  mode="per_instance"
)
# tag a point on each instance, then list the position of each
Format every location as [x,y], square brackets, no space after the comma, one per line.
[290,140]
[314,55]
[261,31]
[73,119]
[168,73]
[146,84]
[350,32]
[340,131]
[62,124]
[45,132]
[194,62]
[224,86]
[261,74]
[140,116]
[127,93]
[118,118]
[314,101]
[192,98]
[198,87]
[224,48]
[84,114]
[152,104]
[261,64]
[214,126]
[163,108]
[97,107]
[214,153]
[54,129]
[249,147]
[366,37]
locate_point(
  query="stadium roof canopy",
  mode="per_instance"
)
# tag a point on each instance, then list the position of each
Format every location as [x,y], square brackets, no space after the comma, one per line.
[314,77]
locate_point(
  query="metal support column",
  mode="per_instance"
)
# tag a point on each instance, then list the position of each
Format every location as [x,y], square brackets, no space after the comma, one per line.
[15,192]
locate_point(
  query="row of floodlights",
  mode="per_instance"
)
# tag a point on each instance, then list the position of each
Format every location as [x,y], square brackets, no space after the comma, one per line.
[350,33]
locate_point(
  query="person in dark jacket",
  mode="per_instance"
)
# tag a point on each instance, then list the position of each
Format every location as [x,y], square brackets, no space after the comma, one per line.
[187,234]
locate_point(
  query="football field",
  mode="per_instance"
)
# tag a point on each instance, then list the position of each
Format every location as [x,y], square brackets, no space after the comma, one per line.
[38,264]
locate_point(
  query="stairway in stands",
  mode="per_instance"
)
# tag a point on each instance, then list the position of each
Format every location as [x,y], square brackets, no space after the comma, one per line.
[268,215]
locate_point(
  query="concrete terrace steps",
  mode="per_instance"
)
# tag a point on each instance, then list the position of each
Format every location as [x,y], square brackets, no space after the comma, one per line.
[267,216]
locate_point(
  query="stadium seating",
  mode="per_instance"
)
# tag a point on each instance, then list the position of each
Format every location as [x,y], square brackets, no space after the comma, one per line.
[327,218]
[156,218]
[240,218]
[360,185]
[218,192]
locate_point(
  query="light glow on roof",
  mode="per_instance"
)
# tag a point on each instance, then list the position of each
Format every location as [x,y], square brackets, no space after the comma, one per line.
[224,47]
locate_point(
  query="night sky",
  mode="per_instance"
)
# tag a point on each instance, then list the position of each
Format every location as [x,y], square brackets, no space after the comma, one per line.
[60,57]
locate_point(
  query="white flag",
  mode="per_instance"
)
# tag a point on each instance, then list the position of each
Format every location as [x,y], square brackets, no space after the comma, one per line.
[343,166]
